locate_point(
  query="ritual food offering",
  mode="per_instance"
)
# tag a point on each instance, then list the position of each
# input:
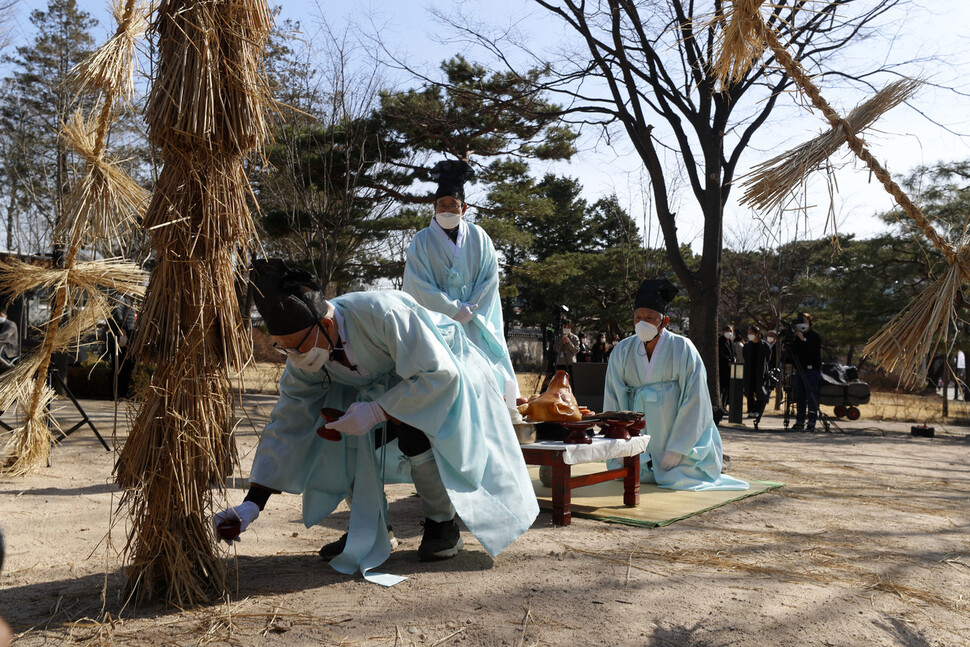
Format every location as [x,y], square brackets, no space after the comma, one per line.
[556,404]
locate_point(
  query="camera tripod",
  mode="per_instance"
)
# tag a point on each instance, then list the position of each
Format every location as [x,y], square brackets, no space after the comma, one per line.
[791,371]
[53,375]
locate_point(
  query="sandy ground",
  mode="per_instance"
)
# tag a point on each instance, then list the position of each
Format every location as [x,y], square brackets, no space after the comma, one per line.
[867,544]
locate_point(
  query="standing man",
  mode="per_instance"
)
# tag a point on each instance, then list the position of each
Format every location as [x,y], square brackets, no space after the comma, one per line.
[756,355]
[960,384]
[806,352]
[452,268]
[661,374]
[725,358]
[566,347]
[412,385]
[9,342]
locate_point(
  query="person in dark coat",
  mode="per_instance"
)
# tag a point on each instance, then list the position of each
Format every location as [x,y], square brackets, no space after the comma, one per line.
[757,354]
[725,357]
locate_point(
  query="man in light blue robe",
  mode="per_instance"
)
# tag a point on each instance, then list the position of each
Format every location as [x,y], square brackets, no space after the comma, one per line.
[396,369]
[661,374]
[452,268]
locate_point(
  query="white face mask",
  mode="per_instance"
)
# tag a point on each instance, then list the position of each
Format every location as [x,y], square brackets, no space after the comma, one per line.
[646,331]
[771,340]
[2,318]
[752,338]
[566,331]
[802,327]
[448,220]
[729,335]
[312,360]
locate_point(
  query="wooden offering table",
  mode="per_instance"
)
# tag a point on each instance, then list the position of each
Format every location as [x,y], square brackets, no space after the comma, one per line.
[561,456]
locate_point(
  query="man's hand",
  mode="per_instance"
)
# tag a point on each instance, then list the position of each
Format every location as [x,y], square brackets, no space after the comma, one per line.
[465,312]
[670,460]
[246,513]
[360,418]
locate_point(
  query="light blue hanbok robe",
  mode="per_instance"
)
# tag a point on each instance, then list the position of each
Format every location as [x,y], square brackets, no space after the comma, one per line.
[671,391]
[422,370]
[441,275]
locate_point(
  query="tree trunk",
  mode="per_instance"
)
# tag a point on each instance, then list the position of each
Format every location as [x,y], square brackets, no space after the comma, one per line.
[704,300]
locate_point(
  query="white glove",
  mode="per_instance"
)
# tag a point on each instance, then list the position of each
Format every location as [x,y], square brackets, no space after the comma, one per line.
[465,314]
[670,460]
[246,512]
[360,418]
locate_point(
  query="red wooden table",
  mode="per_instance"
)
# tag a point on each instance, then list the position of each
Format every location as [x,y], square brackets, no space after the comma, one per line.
[555,455]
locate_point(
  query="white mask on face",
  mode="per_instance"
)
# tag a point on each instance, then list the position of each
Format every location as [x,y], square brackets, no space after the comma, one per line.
[752,338]
[802,327]
[771,340]
[312,360]
[566,331]
[646,331]
[448,220]
[3,318]
[729,335]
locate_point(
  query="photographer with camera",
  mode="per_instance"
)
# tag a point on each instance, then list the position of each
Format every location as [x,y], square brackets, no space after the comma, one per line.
[805,353]
[567,346]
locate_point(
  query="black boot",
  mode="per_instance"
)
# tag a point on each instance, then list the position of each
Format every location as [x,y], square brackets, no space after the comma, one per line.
[441,540]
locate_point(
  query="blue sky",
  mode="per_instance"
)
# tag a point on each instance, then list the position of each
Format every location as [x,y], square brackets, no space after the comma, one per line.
[901,140]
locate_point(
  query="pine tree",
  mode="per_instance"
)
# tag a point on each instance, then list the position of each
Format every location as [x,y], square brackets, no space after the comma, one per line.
[36,165]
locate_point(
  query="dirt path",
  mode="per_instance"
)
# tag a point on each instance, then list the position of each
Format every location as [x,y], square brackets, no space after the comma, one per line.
[867,544]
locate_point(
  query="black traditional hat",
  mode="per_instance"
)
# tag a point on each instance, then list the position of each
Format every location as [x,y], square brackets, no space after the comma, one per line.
[289,300]
[451,176]
[655,294]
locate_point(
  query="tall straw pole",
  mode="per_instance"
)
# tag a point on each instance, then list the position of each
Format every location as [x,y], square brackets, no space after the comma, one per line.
[206,112]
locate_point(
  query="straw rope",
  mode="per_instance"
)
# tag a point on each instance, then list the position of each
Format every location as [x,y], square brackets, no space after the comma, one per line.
[904,343]
[91,211]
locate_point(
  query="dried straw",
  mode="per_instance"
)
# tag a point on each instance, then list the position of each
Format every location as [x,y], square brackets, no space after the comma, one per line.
[182,448]
[206,113]
[903,344]
[106,203]
[740,44]
[928,314]
[94,208]
[111,67]
[90,277]
[769,184]
[30,444]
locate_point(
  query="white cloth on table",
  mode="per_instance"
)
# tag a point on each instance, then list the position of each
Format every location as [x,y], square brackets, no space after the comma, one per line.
[599,450]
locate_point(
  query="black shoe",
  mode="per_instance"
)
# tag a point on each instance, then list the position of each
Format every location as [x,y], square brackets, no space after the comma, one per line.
[798,427]
[334,548]
[441,540]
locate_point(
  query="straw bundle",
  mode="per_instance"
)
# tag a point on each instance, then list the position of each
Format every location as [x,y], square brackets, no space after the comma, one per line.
[90,277]
[106,202]
[30,444]
[740,43]
[209,86]
[183,447]
[111,68]
[771,182]
[206,113]
[903,344]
